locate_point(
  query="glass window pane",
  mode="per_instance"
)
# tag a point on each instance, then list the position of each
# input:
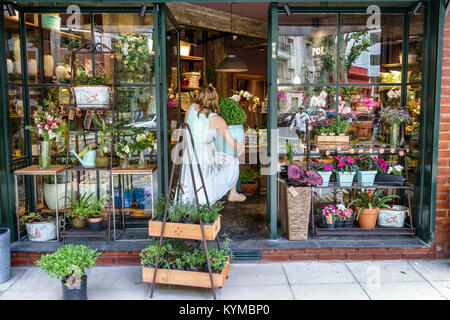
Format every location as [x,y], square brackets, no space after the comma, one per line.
[307,48]
[137,105]
[132,38]
[416,27]
[50,40]
[371,55]
[17,121]
[13,48]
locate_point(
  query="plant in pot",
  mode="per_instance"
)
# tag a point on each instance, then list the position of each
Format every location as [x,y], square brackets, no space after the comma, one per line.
[82,208]
[367,170]
[324,170]
[194,260]
[40,226]
[341,126]
[394,117]
[143,142]
[323,131]
[94,215]
[207,213]
[104,137]
[69,264]
[234,115]
[390,177]
[90,91]
[249,182]
[50,190]
[218,258]
[345,169]
[124,149]
[337,216]
[368,203]
[49,125]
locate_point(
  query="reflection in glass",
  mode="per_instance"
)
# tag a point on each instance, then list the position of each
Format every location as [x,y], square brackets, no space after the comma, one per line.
[137,105]
[13,62]
[370,55]
[415,46]
[307,48]
[16,111]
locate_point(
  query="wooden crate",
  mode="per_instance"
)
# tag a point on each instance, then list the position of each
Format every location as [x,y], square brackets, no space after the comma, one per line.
[332,142]
[186,278]
[184,230]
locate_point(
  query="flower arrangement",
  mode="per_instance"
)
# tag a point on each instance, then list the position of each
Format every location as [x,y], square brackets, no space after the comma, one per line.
[124,148]
[144,141]
[339,212]
[398,170]
[395,116]
[368,199]
[368,163]
[47,124]
[245,98]
[320,166]
[344,164]
[394,93]
[231,111]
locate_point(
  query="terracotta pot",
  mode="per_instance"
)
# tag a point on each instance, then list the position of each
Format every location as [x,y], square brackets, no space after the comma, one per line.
[368,218]
[95,222]
[249,189]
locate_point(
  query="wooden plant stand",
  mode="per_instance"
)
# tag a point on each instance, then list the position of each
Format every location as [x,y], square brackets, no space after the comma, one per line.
[184,230]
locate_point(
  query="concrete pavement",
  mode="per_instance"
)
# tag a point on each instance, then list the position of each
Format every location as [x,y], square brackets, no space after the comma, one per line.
[330,280]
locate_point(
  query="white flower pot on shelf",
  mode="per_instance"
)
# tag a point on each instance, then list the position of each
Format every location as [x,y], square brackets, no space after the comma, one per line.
[92,96]
[41,231]
[50,194]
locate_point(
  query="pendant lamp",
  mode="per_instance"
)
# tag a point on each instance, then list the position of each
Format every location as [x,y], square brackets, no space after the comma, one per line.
[231,63]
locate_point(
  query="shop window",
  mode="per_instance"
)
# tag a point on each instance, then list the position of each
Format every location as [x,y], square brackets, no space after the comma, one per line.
[17,121]
[13,53]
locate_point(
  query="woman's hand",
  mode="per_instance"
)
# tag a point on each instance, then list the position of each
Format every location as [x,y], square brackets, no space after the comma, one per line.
[218,123]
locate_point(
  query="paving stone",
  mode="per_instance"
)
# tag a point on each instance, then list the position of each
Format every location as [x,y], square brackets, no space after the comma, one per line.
[443,287]
[269,292]
[32,295]
[402,291]
[117,294]
[123,278]
[256,274]
[329,291]
[384,271]
[35,280]
[318,272]
[16,273]
[166,292]
[432,270]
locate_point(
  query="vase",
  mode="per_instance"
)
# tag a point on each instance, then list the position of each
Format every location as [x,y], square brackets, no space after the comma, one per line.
[44,156]
[366,178]
[125,164]
[345,179]
[142,162]
[48,65]
[237,132]
[60,71]
[395,135]
[325,177]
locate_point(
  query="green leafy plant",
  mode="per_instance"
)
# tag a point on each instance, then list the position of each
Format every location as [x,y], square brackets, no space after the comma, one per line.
[83,79]
[208,214]
[38,217]
[218,258]
[69,263]
[341,126]
[323,130]
[368,199]
[144,141]
[231,111]
[249,176]
[367,163]
[84,207]
[194,259]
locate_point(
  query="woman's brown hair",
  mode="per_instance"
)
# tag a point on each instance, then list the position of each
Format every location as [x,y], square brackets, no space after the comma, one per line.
[208,100]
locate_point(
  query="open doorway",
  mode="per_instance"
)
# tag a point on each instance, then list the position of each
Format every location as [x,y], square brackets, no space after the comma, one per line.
[199,37]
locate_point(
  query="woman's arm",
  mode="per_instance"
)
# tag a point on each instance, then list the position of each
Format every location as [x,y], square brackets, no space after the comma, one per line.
[218,123]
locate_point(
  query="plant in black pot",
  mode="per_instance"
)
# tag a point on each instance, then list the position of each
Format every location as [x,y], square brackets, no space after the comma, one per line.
[84,209]
[94,215]
[194,260]
[69,264]
[218,258]
[249,182]
[392,176]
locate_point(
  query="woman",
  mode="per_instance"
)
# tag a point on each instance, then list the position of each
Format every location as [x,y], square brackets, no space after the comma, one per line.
[220,171]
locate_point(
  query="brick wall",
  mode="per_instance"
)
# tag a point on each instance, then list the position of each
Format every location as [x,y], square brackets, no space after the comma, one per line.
[442,231]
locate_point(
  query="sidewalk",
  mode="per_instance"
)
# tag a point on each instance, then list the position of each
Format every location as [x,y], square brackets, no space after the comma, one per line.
[347,280]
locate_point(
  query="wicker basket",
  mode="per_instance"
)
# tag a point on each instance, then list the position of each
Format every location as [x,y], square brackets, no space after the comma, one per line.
[294,211]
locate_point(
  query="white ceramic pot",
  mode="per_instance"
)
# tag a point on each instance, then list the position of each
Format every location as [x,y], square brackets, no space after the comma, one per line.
[92,96]
[393,217]
[50,195]
[92,188]
[41,231]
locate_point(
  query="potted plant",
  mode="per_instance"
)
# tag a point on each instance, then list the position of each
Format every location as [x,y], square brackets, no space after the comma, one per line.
[324,170]
[83,208]
[69,264]
[368,203]
[295,201]
[394,117]
[40,226]
[345,169]
[337,216]
[218,258]
[392,176]
[194,260]
[124,150]
[367,170]
[341,126]
[323,131]
[144,141]
[104,137]
[94,215]
[249,182]
[234,116]
[49,125]
[91,92]
[394,216]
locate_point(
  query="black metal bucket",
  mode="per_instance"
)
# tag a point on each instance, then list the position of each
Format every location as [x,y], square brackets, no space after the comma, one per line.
[77,293]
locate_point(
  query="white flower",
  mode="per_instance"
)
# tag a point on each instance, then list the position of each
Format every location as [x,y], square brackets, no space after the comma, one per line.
[236,97]
[340,206]
[126,149]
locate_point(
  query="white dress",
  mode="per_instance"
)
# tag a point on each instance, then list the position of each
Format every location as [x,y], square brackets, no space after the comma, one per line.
[220,171]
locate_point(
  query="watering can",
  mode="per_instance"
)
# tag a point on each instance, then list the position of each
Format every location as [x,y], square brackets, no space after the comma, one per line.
[86,158]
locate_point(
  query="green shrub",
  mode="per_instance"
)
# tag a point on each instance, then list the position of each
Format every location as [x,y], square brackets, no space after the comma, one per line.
[69,261]
[231,111]
[249,176]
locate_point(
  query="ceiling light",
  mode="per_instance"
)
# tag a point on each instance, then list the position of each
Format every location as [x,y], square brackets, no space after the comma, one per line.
[418,7]
[143,11]
[10,9]
[287,9]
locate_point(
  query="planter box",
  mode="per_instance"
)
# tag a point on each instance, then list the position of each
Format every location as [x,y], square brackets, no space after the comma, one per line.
[184,230]
[345,179]
[366,178]
[186,278]
[326,175]
[394,217]
[332,142]
[294,211]
[389,179]
[90,96]
[41,231]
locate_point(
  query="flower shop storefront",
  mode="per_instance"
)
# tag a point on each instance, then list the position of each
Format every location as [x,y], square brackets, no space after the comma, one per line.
[340,101]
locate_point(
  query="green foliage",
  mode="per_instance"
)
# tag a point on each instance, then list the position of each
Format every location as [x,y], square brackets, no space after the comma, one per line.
[208,214]
[231,111]
[84,207]
[38,217]
[68,261]
[340,126]
[194,259]
[84,79]
[323,130]
[366,163]
[218,257]
[249,176]
[366,199]
[134,63]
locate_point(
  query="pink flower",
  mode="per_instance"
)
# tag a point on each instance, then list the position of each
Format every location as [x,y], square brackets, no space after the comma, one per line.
[383,167]
[213,258]
[341,164]
[326,168]
[349,160]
